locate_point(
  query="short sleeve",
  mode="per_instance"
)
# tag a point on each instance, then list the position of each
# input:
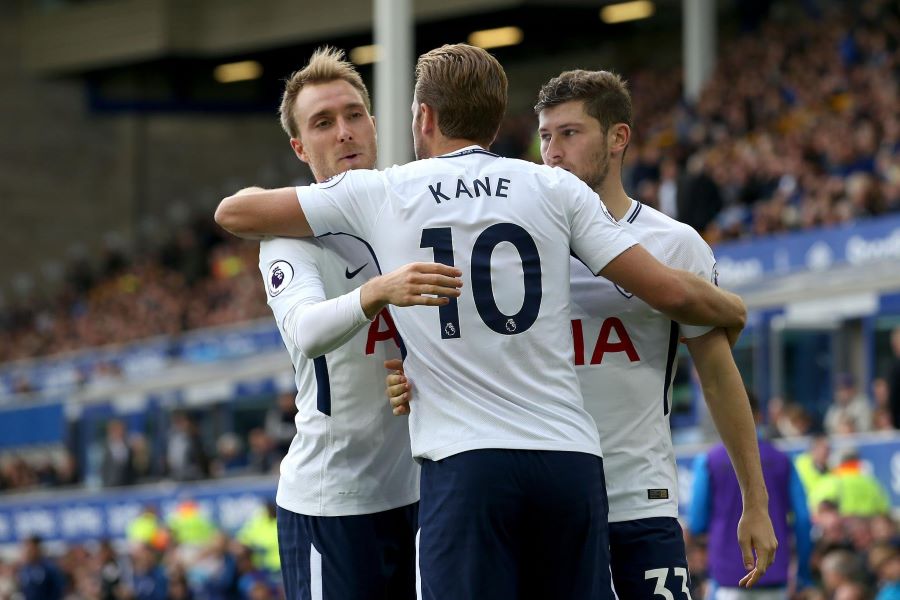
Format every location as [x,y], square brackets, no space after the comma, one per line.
[689,252]
[349,202]
[596,237]
[290,274]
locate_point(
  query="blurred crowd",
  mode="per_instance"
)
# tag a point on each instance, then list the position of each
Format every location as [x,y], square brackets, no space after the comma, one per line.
[855,539]
[122,457]
[199,277]
[799,127]
[184,556]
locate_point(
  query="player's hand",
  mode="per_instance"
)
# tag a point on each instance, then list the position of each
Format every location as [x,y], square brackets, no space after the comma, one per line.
[756,535]
[399,390]
[414,284]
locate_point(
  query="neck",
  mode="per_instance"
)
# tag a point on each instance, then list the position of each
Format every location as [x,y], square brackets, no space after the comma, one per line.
[447,145]
[613,195]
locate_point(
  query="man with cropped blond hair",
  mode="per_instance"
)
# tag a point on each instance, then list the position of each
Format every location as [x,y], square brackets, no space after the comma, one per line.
[512,499]
[348,491]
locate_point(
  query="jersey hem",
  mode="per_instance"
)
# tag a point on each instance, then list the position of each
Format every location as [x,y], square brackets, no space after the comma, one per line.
[482,444]
[634,515]
[317,509]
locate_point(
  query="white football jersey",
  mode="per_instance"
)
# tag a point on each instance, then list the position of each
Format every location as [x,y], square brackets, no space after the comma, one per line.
[494,368]
[350,455]
[624,356]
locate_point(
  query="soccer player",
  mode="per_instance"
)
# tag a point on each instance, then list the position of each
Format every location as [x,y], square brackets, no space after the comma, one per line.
[513,501]
[624,353]
[347,512]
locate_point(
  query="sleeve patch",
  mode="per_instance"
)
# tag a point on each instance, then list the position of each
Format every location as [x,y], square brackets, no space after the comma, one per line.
[280,275]
[715,274]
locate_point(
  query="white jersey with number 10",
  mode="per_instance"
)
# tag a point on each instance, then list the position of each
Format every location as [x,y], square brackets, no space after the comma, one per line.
[494,368]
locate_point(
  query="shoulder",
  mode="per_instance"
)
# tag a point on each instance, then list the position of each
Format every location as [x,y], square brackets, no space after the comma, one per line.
[280,248]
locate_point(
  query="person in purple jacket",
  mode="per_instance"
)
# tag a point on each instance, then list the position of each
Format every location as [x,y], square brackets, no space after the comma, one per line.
[715,509]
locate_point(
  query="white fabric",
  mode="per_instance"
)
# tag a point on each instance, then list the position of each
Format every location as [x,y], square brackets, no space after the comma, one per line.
[357,460]
[319,326]
[492,379]
[316,589]
[622,350]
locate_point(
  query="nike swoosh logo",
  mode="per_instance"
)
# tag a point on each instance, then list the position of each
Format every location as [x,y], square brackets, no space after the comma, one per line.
[351,274]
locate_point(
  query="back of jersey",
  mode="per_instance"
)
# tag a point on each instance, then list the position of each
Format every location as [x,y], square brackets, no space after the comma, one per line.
[494,368]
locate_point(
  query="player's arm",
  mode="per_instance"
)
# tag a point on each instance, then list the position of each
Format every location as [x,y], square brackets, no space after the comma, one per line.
[414,284]
[255,212]
[682,296]
[729,407]
[316,325]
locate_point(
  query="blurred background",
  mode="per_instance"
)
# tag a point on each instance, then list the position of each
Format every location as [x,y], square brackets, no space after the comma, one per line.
[145,395]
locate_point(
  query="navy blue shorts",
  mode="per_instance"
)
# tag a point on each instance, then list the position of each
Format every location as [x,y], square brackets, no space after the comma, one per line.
[648,556]
[358,557]
[514,524]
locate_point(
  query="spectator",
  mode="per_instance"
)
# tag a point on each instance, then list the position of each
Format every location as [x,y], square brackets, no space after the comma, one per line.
[716,508]
[110,573]
[147,529]
[260,534]
[839,568]
[261,458]
[116,468]
[812,465]
[851,409]
[230,459]
[889,577]
[894,379]
[280,425]
[854,491]
[186,458]
[190,526]
[39,578]
[148,580]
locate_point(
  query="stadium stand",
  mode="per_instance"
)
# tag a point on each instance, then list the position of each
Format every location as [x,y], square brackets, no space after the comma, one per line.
[792,149]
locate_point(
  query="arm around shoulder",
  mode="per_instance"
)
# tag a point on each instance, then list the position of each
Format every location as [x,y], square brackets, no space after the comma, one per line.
[254,213]
[681,295]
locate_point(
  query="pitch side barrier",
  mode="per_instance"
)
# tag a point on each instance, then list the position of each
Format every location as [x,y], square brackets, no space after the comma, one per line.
[75,516]
[82,515]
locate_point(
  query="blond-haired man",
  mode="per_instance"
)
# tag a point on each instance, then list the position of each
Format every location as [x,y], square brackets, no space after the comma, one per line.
[347,512]
[512,502]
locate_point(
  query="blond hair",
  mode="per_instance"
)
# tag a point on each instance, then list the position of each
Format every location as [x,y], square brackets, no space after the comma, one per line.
[466,86]
[327,64]
[605,95]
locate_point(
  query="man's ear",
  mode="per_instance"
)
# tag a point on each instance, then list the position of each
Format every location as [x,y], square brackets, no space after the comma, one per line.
[428,122]
[297,145]
[619,137]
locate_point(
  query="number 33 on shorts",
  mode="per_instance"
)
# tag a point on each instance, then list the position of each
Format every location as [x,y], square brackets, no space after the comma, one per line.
[661,575]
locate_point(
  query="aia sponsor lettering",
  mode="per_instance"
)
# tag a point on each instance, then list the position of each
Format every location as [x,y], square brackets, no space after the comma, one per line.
[612,338]
[377,334]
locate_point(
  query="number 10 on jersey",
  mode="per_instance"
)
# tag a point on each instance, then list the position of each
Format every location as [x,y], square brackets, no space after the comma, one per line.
[440,239]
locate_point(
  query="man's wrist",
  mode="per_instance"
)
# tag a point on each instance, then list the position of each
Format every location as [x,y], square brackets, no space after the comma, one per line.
[371,297]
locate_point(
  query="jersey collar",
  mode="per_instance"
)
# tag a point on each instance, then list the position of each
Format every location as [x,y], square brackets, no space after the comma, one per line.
[633,211]
[473,149]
